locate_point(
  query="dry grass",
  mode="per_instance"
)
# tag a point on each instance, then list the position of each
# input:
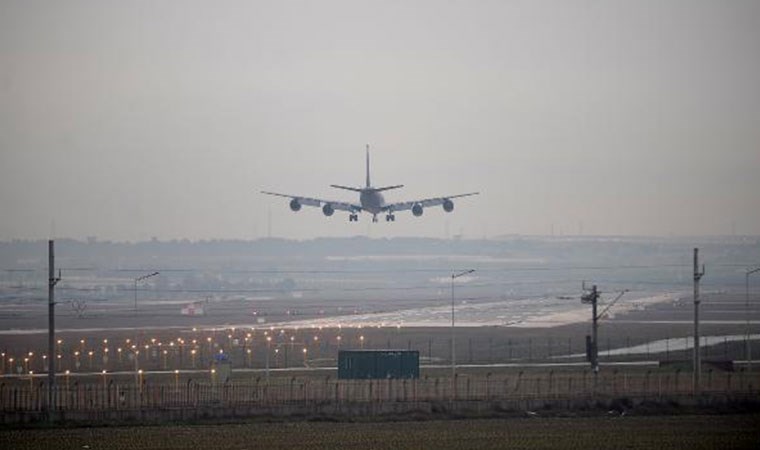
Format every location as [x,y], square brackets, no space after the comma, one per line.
[671,432]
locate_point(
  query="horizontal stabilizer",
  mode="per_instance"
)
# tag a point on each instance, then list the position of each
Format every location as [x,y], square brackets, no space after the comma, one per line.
[337,186]
[387,188]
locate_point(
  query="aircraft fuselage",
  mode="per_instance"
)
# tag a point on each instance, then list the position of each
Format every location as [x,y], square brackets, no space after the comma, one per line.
[372,201]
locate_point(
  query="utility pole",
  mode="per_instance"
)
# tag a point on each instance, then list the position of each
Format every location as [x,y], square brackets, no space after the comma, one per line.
[697,357]
[591,344]
[52,281]
[453,354]
[748,347]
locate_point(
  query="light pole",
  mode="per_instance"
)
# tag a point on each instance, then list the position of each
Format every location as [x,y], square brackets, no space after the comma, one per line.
[144,277]
[697,352]
[748,347]
[453,353]
[138,372]
[269,341]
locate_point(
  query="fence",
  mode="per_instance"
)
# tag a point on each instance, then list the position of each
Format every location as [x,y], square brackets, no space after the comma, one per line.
[303,392]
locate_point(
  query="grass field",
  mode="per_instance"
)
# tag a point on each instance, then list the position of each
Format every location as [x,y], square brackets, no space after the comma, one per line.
[661,432]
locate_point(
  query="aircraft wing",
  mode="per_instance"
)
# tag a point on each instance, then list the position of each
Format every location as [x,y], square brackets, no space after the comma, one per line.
[426,202]
[318,202]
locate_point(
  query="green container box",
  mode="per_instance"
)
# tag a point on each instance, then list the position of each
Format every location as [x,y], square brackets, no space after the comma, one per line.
[378,364]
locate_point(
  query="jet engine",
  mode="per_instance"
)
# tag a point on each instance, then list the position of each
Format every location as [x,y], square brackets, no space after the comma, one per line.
[417,210]
[328,210]
[448,205]
[295,205]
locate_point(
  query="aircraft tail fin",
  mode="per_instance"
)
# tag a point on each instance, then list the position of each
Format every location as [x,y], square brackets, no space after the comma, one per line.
[368,183]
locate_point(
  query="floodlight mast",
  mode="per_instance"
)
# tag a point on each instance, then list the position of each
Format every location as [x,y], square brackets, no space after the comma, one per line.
[748,347]
[52,281]
[453,353]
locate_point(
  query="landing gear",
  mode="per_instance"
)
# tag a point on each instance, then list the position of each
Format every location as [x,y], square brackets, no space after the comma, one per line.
[390,218]
[353,217]
[374,218]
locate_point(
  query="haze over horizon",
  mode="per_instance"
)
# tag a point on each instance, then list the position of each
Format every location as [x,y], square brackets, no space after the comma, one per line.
[128,121]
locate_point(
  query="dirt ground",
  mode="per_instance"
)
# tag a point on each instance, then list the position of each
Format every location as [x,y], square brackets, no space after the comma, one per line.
[671,432]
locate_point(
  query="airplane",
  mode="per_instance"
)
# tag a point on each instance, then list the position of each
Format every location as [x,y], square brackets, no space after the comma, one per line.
[370,200]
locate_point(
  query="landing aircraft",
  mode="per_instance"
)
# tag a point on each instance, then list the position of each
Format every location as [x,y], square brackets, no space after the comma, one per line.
[370,200]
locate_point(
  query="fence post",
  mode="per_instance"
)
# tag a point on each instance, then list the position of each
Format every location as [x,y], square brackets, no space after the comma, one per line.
[530,349]
[646,382]
[659,386]
[187,391]
[625,382]
[551,383]
[667,349]
[585,384]
[488,386]
[677,376]
[518,383]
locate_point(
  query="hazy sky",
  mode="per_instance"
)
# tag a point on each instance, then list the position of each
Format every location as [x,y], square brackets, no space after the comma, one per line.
[128,120]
